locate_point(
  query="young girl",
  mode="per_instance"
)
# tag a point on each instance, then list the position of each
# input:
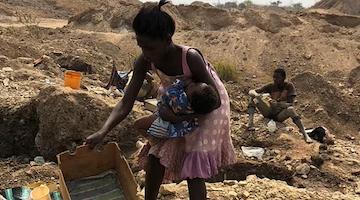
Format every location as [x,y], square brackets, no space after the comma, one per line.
[200,154]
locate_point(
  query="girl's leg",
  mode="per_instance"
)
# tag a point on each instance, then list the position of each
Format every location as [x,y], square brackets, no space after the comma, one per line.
[153,179]
[197,189]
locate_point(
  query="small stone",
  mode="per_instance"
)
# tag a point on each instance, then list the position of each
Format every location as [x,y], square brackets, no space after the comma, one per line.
[242,183]
[39,160]
[357,189]
[7,69]
[52,178]
[251,178]
[232,194]
[353,150]
[350,137]
[168,189]
[304,176]
[317,160]
[303,169]
[287,157]
[6,82]
[308,56]
[254,76]
[245,194]
[32,163]
[230,182]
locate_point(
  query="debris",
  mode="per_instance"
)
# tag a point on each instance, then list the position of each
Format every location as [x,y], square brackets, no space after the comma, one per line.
[6,82]
[169,189]
[257,152]
[271,126]
[7,69]
[39,160]
[245,194]
[230,182]
[303,169]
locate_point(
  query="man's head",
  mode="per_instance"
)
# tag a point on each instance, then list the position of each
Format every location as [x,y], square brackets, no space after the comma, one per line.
[279,76]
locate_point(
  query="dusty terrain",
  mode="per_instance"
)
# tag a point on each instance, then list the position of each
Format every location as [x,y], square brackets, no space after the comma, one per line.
[320,50]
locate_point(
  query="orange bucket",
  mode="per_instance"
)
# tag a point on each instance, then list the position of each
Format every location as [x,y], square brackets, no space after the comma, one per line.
[72,79]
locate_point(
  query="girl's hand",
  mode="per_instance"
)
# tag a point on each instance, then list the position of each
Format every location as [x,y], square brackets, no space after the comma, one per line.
[95,139]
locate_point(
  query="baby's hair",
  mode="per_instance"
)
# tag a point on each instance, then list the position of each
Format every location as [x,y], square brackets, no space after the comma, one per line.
[204,101]
[152,22]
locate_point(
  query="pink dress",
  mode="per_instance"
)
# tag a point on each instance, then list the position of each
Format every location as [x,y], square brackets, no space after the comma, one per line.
[203,152]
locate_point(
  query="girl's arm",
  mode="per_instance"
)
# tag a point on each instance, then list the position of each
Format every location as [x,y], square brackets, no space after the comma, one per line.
[123,108]
[200,72]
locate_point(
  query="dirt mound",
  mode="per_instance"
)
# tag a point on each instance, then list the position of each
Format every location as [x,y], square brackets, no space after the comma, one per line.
[351,7]
[105,19]
[325,104]
[338,19]
[354,80]
[270,20]
[66,117]
[54,8]
[252,188]
[120,17]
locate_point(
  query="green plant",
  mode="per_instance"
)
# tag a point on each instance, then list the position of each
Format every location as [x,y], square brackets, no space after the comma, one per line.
[276,3]
[248,2]
[297,6]
[226,70]
[26,18]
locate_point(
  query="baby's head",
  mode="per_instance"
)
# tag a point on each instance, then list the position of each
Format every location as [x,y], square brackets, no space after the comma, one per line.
[202,97]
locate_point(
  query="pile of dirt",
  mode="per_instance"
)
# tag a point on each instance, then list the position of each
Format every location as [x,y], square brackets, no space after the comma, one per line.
[270,20]
[251,188]
[351,7]
[106,19]
[67,117]
[324,104]
[62,9]
[119,18]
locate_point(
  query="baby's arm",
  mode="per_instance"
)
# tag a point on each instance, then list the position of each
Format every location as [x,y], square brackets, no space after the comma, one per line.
[167,114]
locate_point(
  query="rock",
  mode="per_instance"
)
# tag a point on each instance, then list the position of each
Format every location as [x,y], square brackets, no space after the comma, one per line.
[6,82]
[7,69]
[32,163]
[232,194]
[304,176]
[245,194]
[303,169]
[39,160]
[140,178]
[3,58]
[251,178]
[168,189]
[357,189]
[230,182]
[242,183]
[317,160]
[25,60]
[308,56]
[350,137]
